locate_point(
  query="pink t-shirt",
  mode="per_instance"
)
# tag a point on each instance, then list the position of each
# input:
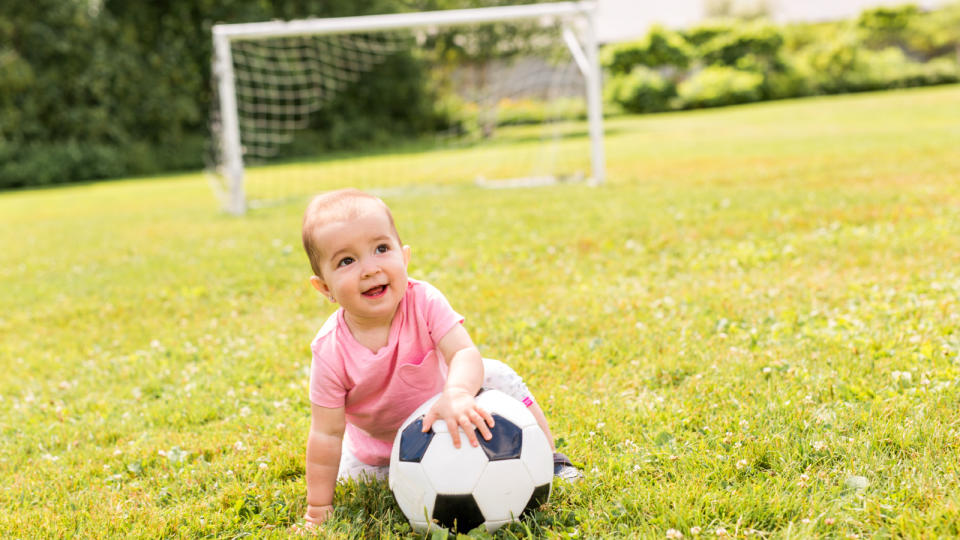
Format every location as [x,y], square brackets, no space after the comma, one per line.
[379,390]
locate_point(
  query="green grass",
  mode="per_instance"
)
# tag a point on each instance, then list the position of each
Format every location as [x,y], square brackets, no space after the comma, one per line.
[719,334]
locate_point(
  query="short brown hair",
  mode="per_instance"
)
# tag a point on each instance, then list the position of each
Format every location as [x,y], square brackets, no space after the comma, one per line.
[331,206]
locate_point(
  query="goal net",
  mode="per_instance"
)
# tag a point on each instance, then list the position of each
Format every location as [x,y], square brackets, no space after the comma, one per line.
[500,96]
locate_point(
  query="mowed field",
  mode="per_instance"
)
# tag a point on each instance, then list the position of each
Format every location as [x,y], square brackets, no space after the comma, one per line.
[752,330]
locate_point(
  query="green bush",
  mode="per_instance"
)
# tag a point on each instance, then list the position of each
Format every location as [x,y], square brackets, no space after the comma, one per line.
[701,33]
[40,164]
[886,26]
[114,88]
[792,79]
[759,39]
[885,47]
[715,86]
[660,47]
[800,36]
[641,90]
[890,68]
[941,71]
[845,67]
[835,65]
[935,33]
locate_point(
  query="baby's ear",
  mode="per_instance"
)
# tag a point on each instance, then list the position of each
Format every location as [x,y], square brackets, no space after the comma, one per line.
[406,255]
[321,285]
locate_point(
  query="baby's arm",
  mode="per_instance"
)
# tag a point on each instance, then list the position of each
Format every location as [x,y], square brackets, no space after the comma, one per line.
[456,406]
[323,461]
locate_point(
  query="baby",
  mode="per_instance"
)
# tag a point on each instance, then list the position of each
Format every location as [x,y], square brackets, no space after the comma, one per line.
[393,343]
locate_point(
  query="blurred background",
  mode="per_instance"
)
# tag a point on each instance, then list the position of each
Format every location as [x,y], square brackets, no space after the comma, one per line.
[93,89]
[628,19]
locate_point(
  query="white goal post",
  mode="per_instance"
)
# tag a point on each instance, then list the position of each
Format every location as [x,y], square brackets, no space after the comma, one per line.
[229,140]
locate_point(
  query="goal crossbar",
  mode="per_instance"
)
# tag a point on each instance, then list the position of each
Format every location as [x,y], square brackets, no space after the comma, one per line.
[585,55]
[366,23]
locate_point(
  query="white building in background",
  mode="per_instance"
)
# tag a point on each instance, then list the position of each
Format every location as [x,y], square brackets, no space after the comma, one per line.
[621,20]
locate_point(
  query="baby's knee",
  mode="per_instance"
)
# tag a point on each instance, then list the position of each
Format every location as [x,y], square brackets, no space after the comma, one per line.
[499,376]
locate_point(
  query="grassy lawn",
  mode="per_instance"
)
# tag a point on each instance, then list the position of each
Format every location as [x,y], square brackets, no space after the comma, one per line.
[754,327]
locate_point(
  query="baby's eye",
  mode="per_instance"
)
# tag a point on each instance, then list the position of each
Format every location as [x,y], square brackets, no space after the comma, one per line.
[345,261]
[383,248]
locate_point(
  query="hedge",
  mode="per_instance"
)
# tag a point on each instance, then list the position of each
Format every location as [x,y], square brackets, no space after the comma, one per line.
[722,62]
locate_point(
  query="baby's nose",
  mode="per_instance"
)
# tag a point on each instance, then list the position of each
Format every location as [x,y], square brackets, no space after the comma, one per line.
[370,268]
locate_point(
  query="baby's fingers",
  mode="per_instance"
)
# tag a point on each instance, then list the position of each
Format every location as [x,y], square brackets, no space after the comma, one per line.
[470,421]
[454,430]
[487,417]
[428,420]
[482,419]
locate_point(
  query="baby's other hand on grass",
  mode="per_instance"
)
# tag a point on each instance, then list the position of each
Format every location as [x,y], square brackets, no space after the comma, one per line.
[457,408]
[314,516]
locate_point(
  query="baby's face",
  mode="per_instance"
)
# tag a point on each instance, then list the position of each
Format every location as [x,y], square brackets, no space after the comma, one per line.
[364,266]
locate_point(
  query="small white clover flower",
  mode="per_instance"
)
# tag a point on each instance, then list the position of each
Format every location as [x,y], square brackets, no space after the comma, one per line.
[741,464]
[673,533]
[819,445]
[904,376]
[720,531]
[694,530]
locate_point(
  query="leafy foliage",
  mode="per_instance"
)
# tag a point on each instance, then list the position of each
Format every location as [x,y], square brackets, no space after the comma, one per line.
[715,86]
[758,39]
[113,88]
[660,47]
[885,47]
[641,90]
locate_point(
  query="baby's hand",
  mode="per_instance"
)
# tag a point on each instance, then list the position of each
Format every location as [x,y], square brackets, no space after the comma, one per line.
[457,407]
[314,516]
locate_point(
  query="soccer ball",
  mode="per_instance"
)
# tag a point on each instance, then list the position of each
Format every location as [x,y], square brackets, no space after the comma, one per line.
[461,488]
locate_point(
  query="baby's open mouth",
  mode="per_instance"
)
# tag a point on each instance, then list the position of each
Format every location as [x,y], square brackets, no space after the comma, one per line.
[375,291]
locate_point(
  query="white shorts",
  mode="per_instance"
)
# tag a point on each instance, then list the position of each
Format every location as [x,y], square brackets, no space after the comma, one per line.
[496,376]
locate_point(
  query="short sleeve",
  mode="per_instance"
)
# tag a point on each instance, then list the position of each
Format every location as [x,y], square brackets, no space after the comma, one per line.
[439,315]
[327,388]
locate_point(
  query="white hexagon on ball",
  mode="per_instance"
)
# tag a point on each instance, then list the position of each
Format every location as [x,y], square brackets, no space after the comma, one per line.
[490,485]
[453,470]
[504,490]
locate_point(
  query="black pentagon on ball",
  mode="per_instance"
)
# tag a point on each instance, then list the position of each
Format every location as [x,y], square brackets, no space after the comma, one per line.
[414,442]
[540,496]
[459,513]
[506,441]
